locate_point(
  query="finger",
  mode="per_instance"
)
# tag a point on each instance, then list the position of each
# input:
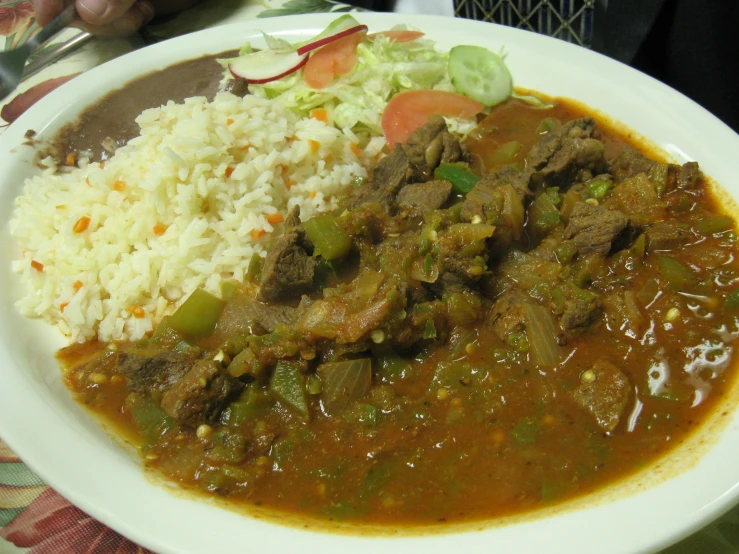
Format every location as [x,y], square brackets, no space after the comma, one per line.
[102,12]
[46,10]
[137,16]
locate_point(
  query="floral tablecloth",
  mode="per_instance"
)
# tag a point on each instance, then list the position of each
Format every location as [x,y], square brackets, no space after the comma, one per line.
[34,518]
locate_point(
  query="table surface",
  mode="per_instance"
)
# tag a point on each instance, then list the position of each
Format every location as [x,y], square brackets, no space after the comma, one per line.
[34,518]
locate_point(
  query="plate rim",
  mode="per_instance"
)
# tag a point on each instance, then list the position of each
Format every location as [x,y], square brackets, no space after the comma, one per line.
[291,24]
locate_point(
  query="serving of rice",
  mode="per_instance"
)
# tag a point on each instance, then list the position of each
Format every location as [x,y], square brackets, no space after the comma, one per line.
[108,249]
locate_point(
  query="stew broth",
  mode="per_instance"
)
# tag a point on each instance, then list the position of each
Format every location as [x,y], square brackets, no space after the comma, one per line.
[471,428]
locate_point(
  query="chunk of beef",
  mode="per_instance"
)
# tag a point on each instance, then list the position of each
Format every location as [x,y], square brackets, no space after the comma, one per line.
[592,229]
[559,157]
[381,196]
[424,147]
[574,156]
[238,87]
[689,175]
[425,197]
[412,162]
[293,218]
[459,249]
[452,150]
[629,163]
[391,173]
[288,269]
[480,203]
[451,273]
[542,151]
[454,275]
[385,179]
[451,279]
[547,147]
[666,235]
[270,316]
[519,180]
[581,128]
[244,316]
[201,394]
[580,310]
[294,224]
[419,139]
[604,392]
[507,315]
[526,270]
[155,374]
[236,320]
[429,146]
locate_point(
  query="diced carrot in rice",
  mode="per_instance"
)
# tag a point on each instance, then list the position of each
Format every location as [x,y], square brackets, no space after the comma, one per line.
[81,224]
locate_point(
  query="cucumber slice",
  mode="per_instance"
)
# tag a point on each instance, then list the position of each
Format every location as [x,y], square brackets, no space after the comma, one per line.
[480,74]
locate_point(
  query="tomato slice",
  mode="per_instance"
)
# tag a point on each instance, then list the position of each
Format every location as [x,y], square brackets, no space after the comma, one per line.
[318,71]
[336,58]
[410,110]
[398,35]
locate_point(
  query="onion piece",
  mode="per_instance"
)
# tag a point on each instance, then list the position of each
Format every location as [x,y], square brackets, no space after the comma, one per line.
[513,212]
[358,324]
[266,65]
[322,319]
[649,292]
[542,335]
[344,382]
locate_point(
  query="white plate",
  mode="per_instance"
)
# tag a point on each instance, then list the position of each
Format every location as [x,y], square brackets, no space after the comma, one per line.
[60,442]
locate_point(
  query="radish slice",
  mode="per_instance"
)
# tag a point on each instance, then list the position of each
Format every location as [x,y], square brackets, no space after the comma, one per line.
[335,30]
[324,40]
[282,58]
[266,65]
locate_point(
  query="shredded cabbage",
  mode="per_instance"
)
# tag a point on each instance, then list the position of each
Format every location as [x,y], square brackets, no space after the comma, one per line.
[356,100]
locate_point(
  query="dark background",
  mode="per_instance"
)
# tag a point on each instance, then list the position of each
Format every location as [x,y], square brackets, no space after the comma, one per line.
[691,45]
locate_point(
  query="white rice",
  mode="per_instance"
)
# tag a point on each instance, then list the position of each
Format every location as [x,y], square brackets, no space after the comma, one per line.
[179,222]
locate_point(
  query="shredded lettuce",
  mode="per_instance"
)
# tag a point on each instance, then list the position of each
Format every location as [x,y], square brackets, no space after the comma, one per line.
[275,43]
[356,100]
[532,100]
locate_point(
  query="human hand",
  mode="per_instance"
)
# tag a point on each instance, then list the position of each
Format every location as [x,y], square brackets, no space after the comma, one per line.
[110,18]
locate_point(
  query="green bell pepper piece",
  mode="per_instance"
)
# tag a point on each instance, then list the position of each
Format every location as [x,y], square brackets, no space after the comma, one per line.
[288,385]
[459,175]
[329,240]
[198,314]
